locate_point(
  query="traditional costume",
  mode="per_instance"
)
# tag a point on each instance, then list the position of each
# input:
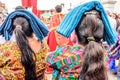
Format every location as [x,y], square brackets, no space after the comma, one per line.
[10,56]
[55,39]
[65,61]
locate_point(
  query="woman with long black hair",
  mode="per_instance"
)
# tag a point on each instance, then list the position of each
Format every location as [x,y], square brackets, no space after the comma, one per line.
[24,58]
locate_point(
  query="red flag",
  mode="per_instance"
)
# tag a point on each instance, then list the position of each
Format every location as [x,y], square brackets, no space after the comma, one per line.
[30,3]
[34,3]
[26,3]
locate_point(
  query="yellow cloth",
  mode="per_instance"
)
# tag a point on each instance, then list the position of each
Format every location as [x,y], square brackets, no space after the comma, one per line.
[10,61]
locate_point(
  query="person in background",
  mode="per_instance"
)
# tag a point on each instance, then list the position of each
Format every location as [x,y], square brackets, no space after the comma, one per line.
[45,17]
[19,7]
[112,19]
[3,15]
[114,53]
[52,12]
[114,15]
[24,58]
[118,21]
[57,17]
[3,12]
[2,18]
[112,65]
[55,39]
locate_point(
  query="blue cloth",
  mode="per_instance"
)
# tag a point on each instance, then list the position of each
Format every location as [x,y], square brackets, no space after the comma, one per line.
[71,20]
[38,27]
[112,66]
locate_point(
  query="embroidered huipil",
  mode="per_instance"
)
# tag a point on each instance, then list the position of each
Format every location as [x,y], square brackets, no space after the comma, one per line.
[10,62]
[66,62]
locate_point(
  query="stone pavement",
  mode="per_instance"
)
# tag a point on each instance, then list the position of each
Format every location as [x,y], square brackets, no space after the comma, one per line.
[111,76]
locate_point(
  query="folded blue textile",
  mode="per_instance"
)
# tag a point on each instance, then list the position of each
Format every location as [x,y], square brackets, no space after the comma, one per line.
[71,20]
[38,27]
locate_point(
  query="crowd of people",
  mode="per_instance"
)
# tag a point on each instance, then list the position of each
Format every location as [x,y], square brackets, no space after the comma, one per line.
[80,45]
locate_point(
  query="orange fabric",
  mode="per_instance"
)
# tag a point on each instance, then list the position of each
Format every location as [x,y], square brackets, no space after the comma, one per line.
[10,62]
[61,40]
[56,19]
[55,39]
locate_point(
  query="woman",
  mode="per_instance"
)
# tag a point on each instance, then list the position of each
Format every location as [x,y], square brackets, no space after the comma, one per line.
[84,61]
[90,32]
[23,59]
[55,39]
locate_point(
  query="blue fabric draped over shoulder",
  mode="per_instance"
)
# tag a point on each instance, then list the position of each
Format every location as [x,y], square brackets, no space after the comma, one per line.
[71,20]
[38,27]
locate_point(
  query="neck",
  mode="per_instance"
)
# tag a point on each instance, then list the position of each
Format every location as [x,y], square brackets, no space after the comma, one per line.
[30,39]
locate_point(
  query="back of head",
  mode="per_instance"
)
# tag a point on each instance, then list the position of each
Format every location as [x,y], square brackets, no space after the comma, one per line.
[90,26]
[90,31]
[25,25]
[19,7]
[58,8]
[22,31]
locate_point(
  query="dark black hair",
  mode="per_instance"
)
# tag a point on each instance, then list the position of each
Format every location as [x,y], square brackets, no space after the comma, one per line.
[90,31]
[19,7]
[27,58]
[58,8]
[90,25]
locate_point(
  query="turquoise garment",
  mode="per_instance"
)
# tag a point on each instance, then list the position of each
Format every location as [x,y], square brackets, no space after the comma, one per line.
[71,20]
[38,27]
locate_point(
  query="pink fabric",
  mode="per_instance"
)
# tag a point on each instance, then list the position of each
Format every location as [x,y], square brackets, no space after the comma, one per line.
[73,38]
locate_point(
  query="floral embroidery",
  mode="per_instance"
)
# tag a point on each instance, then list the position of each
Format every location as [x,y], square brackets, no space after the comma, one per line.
[7,54]
[10,62]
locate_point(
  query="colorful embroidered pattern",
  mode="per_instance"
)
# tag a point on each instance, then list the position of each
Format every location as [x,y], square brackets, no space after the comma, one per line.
[66,62]
[10,62]
[113,52]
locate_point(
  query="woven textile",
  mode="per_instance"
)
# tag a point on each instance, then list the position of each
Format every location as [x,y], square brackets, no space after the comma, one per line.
[71,20]
[66,62]
[38,27]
